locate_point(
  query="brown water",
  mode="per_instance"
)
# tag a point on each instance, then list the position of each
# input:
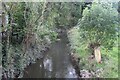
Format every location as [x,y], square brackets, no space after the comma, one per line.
[56,63]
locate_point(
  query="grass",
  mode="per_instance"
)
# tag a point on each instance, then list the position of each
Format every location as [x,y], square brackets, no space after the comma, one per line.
[109,66]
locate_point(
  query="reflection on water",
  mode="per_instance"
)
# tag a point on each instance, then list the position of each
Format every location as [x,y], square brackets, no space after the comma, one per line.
[56,64]
[47,64]
[71,73]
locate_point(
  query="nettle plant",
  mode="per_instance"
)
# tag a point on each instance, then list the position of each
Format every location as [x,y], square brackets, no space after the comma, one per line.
[99,27]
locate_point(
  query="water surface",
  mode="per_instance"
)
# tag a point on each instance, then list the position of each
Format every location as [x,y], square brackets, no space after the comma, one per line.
[56,63]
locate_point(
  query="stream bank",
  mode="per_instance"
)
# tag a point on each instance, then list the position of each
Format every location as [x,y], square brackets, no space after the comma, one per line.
[56,62]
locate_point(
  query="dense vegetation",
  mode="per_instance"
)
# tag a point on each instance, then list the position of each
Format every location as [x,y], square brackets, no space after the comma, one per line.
[28,29]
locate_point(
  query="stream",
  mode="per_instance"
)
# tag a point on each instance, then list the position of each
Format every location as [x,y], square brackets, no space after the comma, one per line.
[55,64]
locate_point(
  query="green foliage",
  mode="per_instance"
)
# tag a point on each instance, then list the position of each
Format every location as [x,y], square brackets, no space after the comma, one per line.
[35,24]
[18,29]
[110,57]
[106,70]
[99,24]
[66,14]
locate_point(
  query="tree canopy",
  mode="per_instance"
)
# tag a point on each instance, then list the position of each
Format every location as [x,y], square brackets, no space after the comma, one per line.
[99,24]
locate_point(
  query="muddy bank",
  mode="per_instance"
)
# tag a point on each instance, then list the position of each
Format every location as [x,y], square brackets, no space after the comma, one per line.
[55,64]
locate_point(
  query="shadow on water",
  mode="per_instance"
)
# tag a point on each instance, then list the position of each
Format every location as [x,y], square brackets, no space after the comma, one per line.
[56,63]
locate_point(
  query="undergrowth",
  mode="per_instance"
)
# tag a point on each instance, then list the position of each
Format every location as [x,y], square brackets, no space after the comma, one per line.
[109,66]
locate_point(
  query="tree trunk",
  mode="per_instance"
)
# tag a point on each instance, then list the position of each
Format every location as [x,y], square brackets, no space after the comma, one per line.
[97,54]
[95,50]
